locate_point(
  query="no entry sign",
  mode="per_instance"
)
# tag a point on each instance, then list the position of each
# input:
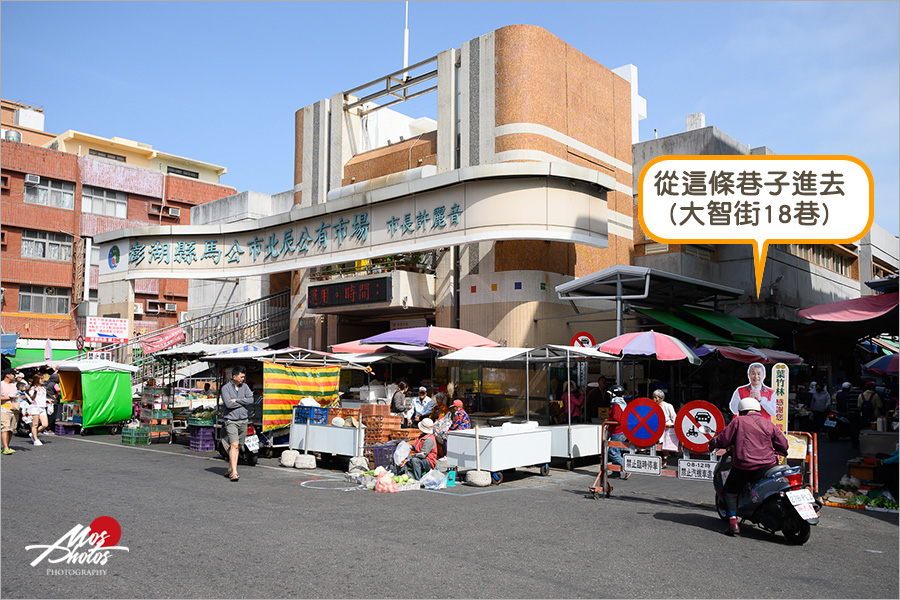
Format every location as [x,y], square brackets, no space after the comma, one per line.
[644,422]
[689,419]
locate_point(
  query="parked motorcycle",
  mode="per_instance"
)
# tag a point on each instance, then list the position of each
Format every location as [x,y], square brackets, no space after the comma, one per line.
[777,502]
[249,450]
[836,425]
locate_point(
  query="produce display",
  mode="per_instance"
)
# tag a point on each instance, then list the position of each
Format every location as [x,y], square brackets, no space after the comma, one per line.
[851,496]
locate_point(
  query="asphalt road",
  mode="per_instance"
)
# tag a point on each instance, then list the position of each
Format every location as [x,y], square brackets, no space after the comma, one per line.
[282,533]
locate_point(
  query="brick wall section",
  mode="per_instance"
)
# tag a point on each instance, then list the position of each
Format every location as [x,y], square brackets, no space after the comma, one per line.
[192,191]
[25,158]
[542,80]
[120,177]
[534,255]
[392,159]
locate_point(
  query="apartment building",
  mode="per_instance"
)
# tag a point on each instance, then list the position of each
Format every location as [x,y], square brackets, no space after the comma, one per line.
[58,191]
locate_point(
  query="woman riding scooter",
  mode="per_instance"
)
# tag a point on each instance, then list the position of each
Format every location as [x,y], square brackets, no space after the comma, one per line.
[757,444]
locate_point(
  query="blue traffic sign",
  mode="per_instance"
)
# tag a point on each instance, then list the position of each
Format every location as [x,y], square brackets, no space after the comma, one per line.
[644,422]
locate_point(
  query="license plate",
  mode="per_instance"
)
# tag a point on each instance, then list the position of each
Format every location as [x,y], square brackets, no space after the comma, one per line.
[830,423]
[798,497]
[252,443]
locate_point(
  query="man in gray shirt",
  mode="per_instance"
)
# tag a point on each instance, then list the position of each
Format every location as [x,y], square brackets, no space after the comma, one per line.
[237,397]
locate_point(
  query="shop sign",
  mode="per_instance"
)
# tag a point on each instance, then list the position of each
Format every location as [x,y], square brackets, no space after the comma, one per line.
[639,463]
[696,469]
[106,330]
[780,376]
[99,355]
[348,230]
[407,323]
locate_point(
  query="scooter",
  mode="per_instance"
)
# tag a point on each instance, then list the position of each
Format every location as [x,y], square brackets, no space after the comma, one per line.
[836,426]
[777,502]
[249,450]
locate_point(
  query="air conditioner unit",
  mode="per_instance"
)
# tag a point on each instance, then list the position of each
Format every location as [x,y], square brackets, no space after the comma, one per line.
[184,316]
[171,307]
[154,208]
[32,179]
[173,211]
[138,308]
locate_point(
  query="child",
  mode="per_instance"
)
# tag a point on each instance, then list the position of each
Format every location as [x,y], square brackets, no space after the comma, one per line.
[23,399]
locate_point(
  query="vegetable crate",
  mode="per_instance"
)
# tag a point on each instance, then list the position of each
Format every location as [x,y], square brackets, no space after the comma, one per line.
[136,436]
[148,413]
[316,415]
[195,422]
[382,454]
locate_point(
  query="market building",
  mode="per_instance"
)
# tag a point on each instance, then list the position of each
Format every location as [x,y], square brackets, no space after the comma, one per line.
[524,182]
[58,193]
[419,209]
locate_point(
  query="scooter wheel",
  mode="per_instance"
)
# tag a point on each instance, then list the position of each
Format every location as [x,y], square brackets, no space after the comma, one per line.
[796,530]
[251,458]
[833,435]
[720,508]
[223,452]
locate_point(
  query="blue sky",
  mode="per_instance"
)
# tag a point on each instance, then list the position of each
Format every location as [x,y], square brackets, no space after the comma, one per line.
[220,81]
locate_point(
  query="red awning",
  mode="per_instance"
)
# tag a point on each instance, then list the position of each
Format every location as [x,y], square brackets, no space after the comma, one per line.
[855,309]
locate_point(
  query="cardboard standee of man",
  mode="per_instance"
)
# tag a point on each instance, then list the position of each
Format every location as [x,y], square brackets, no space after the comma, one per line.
[756,374]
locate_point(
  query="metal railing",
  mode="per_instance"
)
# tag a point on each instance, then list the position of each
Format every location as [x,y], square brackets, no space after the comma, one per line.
[242,324]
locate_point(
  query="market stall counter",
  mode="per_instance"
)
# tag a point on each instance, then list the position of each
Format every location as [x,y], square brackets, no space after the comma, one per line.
[324,437]
[575,441]
[501,449]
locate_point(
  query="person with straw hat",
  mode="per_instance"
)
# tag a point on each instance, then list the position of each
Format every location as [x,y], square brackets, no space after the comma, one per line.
[423,456]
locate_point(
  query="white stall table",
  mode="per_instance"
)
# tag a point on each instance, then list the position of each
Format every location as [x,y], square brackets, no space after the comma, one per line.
[345,441]
[500,449]
[587,440]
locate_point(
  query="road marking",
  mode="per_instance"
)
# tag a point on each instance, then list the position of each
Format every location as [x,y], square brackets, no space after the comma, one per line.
[146,449]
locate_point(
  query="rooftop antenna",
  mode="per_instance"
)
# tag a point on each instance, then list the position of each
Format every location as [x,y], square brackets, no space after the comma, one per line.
[406,43]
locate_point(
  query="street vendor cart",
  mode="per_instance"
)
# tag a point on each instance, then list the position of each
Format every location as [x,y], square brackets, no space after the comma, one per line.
[99,392]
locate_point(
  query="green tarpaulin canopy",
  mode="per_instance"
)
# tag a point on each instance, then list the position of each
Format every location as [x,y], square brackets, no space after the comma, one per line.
[25,356]
[700,334]
[740,330]
[105,396]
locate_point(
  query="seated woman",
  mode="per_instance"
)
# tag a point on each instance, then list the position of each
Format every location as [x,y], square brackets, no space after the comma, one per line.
[423,456]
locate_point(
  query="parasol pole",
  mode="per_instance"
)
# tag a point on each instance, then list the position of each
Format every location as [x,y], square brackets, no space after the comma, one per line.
[569,408]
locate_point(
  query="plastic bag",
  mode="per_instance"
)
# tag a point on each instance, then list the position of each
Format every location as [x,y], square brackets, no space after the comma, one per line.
[434,480]
[401,452]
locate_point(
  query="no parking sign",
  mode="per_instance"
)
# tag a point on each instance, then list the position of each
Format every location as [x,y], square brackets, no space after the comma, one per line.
[644,422]
[689,420]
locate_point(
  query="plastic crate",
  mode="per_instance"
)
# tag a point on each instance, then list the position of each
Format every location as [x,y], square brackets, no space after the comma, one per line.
[147,413]
[135,431]
[164,427]
[136,441]
[61,429]
[382,454]
[202,445]
[316,415]
[193,421]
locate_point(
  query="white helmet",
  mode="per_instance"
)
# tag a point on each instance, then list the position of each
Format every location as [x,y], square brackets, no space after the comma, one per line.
[748,404]
[847,385]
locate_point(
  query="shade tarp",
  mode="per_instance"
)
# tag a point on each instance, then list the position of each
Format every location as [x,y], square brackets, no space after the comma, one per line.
[700,334]
[105,396]
[26,356]
[8,343]
[367,359]
[477,354]
[284,386]
[740,330]
[854,309]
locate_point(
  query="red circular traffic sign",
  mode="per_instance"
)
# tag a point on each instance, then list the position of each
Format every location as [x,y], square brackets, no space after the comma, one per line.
[689,419]
[79,342]
[583,340]
[643,421]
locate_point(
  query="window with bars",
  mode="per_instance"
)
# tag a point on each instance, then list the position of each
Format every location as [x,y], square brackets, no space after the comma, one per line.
[822,256]
[44,299]
[109,155]
[46,245]
[104,202]
[51,192]
[182,172]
